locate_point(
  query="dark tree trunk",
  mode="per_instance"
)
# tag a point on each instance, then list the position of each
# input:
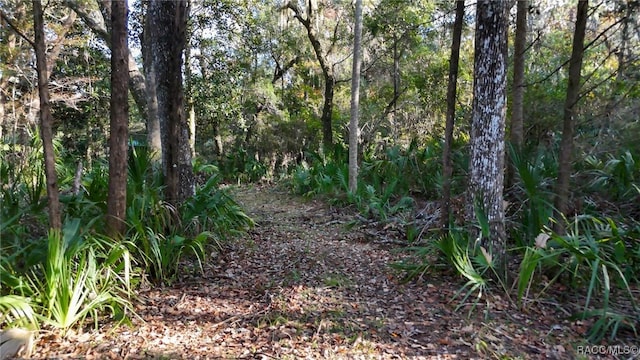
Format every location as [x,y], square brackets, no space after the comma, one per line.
[447,168]
[573,93]
[396,89]
[516,129]
[119,124]
[486,180]
[217,137]
[46,131]
[327,111]
[168,21]
[520,45]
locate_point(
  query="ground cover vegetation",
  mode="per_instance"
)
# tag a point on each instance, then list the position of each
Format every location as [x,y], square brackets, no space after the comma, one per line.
[515,177]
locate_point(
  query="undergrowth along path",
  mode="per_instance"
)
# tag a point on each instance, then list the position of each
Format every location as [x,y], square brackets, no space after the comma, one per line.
[301,284]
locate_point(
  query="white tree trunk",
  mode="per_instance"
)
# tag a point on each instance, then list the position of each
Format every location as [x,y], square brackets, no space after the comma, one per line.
[486,180]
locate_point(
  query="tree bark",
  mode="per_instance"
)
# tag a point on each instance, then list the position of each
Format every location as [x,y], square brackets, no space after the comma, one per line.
[46,131]
[189,95]
[327,111]
[520,46]
[447,168]
[573,93]
[517,110]
[154,138]
[486,180]
[119,123]
[168,19]
[354,129]
[396,89]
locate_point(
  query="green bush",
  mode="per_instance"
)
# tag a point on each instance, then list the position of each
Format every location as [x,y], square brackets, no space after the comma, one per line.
[84,275]
[532,192]
[81,275]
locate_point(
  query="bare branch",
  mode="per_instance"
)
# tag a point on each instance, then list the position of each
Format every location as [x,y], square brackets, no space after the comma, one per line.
[15,29]
[280,71]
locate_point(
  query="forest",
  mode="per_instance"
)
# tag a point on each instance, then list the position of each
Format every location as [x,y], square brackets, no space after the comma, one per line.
[326,179]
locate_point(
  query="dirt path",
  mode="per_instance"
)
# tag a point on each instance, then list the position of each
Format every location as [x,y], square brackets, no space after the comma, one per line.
[300,285]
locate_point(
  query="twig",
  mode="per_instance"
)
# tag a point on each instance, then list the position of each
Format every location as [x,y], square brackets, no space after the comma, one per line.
[239,317]
[15,29]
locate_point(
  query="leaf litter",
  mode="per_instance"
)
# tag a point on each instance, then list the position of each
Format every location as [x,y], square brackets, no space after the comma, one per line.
[302,285]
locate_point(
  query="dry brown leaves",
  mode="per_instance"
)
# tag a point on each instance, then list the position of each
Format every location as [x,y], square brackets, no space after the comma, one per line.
[297,287]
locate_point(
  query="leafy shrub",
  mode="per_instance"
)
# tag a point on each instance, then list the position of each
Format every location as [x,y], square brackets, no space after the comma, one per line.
[212,210]
[162,234]
[83,275]
[596,255]
[17,311]
[617,177]
[242,166]
[533,193]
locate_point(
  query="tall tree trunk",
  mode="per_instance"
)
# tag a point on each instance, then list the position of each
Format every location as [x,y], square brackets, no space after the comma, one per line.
[46,131]
[168,19]
[486,180]
[189,95]
[154,139]
[520,47]
[217,137]
[573,92]
[119,124]
[354,129]
[447,168]
[327,111]
[396,88]
[517,111]
[621,56]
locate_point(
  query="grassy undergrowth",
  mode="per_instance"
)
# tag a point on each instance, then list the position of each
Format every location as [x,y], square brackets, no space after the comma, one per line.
[598,256]
[63,279]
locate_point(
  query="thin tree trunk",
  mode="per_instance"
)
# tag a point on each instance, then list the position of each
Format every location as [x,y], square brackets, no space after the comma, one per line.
[573,93]
[327,112]
[447,168]
[620,71]
[217,137]
[354,129]
[119,124]
[517,111]
[189,96]
[154,138]
[192,128]
[520,45]
[486,180]
[46,131]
